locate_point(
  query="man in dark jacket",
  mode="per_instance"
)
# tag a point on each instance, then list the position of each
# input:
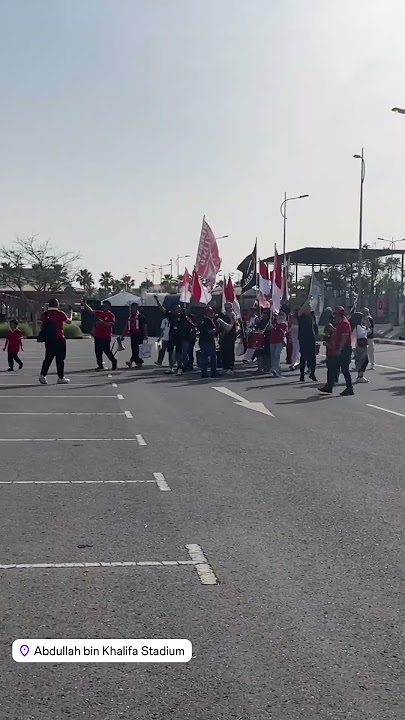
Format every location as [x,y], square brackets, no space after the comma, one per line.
[307,341]
[208,332]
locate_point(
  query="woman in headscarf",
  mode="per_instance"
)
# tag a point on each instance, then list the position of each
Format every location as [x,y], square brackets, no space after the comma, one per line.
[227,327]
[293,331]
[359,337]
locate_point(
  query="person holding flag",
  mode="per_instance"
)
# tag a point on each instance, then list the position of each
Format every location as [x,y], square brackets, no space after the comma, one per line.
[227,327]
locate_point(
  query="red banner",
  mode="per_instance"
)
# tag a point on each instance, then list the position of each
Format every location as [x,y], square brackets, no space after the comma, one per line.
[208,262]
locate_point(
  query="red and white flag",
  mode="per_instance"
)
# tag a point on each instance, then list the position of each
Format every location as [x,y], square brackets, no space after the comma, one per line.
[230,297]
[277,288]
[286,290]
[199,291]
[264,291]
[208,262]
[185,292]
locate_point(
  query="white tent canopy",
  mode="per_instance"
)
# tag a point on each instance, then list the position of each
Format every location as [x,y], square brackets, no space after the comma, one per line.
[123,298]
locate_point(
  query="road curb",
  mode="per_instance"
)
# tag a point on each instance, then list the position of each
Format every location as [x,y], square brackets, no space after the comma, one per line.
[386,341]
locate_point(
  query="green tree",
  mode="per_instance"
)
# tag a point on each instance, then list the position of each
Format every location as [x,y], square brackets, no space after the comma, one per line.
[145,285]
[117,286]
[29,261]
[106,281]
[169,284]
[85,280]
[127,283]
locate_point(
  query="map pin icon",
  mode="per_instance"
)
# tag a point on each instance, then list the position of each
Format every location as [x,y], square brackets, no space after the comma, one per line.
[24,650]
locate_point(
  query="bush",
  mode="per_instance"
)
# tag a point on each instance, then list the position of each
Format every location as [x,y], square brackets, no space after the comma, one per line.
[72,332]
[24,327]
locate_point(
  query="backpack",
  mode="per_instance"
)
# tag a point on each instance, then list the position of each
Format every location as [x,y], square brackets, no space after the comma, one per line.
[48,331]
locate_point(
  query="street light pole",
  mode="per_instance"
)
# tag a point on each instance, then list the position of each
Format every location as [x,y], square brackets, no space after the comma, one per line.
[360,261]
[178,258]
[283,211]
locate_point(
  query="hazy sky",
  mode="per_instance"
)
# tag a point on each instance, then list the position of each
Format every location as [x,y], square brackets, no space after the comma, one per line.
[124,121]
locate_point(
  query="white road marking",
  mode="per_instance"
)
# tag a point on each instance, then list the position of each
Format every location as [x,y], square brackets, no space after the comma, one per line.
[128,414]
[392,412]
[389,367]
[67,440]
[198,561]
[74,397]
[25,385]
[75,482]
[63,413]
[140,440]
[161,482]
[204,569]
[257,406]
[120,397]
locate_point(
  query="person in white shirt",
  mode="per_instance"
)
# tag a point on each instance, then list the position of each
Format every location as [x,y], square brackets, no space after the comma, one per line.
[360,352]
[164,340]
[369,324]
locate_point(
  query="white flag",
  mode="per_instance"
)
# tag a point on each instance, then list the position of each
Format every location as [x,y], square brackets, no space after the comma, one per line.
[316,296]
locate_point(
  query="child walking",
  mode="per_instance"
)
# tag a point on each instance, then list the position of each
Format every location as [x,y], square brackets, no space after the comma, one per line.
[13,345]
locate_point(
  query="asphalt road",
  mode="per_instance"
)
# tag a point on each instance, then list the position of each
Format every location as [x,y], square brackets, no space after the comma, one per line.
[300,515]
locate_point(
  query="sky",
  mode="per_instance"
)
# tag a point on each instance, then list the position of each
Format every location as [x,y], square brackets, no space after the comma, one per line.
[123,122]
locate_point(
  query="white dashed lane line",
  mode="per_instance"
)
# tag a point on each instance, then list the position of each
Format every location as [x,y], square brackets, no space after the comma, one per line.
[140,440]
[392,412]
[158,479]
[197,560]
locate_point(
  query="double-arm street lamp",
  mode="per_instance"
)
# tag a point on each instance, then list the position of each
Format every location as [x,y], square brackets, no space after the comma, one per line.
[283,211]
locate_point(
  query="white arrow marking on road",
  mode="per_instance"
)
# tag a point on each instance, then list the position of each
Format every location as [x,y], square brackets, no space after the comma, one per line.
[239,400]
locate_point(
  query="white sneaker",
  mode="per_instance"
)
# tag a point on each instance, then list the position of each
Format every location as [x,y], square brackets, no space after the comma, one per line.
[42,379]
[362,380]
[63,381]
[179,372]
[170,371]
[371,367]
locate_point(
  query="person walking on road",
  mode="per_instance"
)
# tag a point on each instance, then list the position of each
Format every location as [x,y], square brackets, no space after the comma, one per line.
[208,333]
[295,346]
[227,324]
[369,324]
[163,339]
[175,347]
[13,345]
[102,333]
[340,353]
[359,335]
[277,342]
[138,333]
[307,341]
[52,335]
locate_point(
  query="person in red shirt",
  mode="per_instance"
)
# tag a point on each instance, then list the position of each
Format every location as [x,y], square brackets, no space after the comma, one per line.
[102,333]
[13,345]
[138,332]
[339,353]
[277,342]
[55,342]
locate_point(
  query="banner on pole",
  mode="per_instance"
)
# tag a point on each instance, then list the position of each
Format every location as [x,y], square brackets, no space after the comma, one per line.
[208,262]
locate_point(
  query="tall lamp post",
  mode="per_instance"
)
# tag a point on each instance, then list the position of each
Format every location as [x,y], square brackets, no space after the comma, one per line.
[360,262]
[283,211]
[178,258]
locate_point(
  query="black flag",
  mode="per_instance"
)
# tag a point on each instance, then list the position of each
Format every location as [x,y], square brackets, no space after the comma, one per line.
[248,268]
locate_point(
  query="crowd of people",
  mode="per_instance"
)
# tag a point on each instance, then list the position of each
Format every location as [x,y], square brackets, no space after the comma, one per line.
[257,337]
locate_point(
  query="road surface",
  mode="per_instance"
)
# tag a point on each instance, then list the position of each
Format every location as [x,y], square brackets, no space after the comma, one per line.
[299,513]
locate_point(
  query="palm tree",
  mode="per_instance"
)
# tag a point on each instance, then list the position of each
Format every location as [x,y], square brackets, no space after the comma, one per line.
[169,284]
[127,283]
[106,281]
[85,280]
[117,286]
